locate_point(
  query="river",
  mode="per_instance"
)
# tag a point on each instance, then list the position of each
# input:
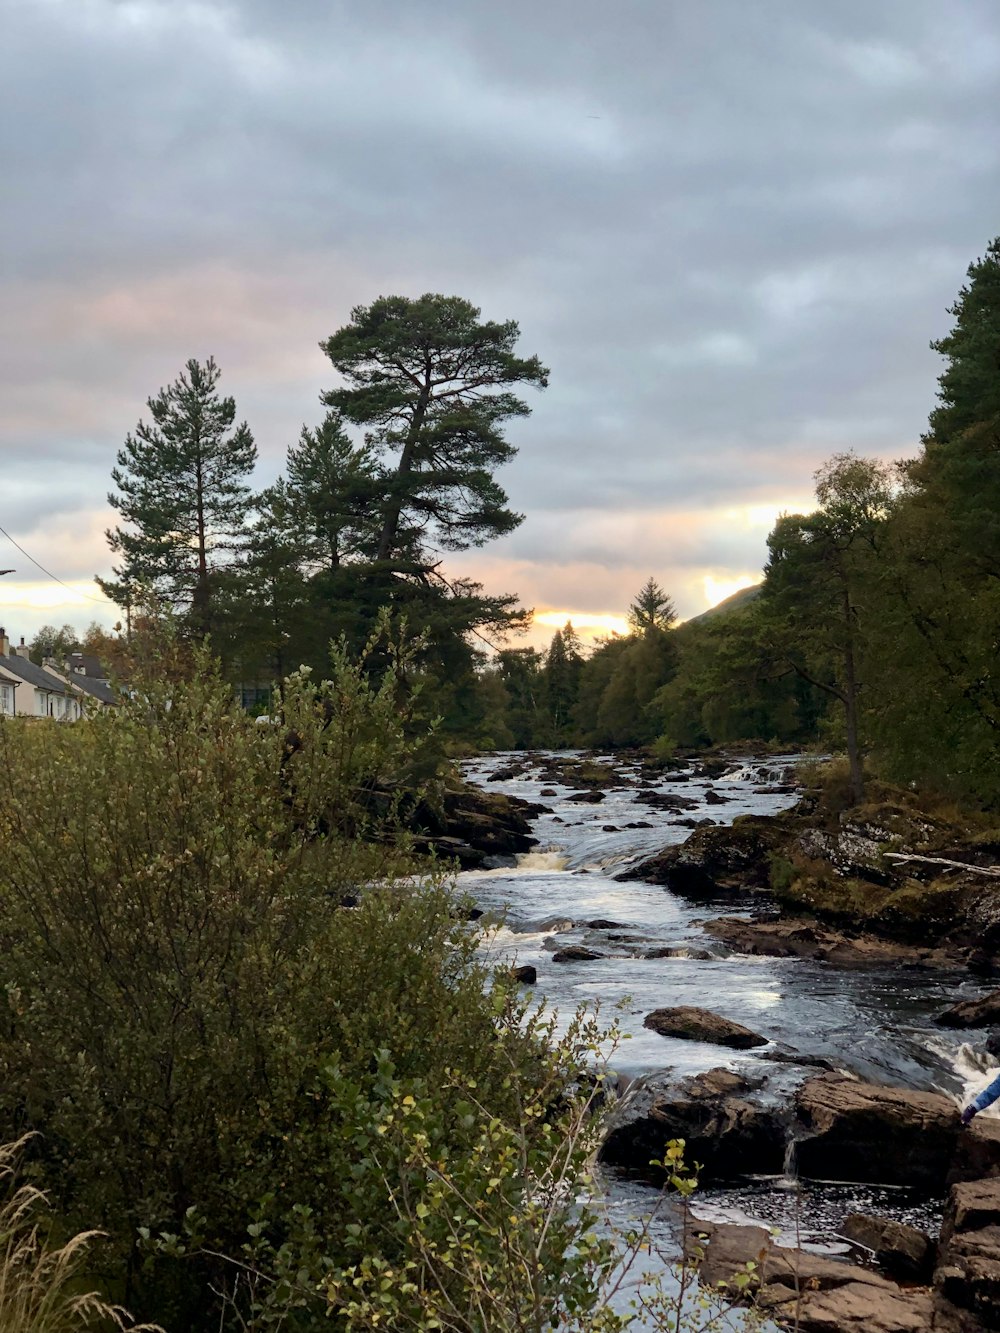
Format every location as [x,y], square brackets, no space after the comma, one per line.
[877,1022]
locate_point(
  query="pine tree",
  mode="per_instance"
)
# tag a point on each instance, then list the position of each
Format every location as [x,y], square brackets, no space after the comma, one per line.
[651,610]
[818,580]
[183,496]
[430,385]
[329,494]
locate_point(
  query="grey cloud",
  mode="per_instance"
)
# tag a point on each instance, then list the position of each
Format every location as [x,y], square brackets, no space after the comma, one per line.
[730,229]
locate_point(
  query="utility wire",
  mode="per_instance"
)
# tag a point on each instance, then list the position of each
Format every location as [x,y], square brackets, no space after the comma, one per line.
[48,573]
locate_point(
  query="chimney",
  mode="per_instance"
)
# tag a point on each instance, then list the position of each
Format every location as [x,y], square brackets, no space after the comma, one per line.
[4,643]
[22,648]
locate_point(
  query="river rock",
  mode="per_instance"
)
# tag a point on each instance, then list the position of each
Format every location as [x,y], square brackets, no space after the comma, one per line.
[804,937]
[586,797]
[980,1013]
[726,1132]
[470,825]
[693,1024]
[576,953]
[715,858]
[811,1292]
[968,1271]
[888,1136]
[712,797]
[680,951]
[665,800]
[901,1251]
[977,1156]
[526,975]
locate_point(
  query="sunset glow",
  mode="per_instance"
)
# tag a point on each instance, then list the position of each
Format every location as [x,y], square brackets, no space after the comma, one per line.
[586,623]
[718,589]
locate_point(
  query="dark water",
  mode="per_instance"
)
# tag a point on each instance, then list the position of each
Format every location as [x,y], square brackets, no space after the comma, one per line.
[877,1023]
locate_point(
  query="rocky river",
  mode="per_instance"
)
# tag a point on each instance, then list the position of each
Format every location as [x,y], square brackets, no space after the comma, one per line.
[778,1124]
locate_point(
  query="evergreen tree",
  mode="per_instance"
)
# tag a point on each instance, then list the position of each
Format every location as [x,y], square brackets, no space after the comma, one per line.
[329,494]
[563,664]
[183,494]
[938,709]
[430,385]
[651,610]
[814,606]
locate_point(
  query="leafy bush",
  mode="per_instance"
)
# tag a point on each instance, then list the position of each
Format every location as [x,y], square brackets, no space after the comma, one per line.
[188,1002]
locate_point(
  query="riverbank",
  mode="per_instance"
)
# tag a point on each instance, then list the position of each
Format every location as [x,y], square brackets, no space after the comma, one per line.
[888,881]
[685,890]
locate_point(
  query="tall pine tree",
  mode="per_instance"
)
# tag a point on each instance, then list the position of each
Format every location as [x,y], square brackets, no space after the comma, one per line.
[183,497]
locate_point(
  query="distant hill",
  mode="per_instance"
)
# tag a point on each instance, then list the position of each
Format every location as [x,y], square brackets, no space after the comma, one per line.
[735,602]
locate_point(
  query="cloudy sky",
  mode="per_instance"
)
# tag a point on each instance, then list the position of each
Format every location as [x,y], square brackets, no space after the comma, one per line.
[730,227]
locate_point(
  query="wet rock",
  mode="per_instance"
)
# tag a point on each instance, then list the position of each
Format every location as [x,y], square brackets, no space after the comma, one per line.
[977,1156]
[640,823]
[586,797]
[733,858]
[804,937]
[470,824]
[610,828]
[601,923]
[665,800]
[504,774]
[679,951]
[576,953]
[536,925]
[712,797]
[968,1270]
[525,975]
[901,1251]
[548,791]
[981,1013]
[728,1134]
[860,1131]
[814,1293]
[693,1024]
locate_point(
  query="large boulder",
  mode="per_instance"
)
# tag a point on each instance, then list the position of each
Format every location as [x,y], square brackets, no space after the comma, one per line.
[470,825]
[849,1130]
[805,937]
[724,1130]
[977,1156]
[716,859]
[968,1271]
[807,1291]
[983,1012]
[693,1024]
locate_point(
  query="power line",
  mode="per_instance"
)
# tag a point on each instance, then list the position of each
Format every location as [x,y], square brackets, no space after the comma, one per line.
[48,573]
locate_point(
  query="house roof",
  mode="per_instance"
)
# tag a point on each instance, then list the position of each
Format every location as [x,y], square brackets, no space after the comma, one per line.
[98,689]
[33,675]
[86,664]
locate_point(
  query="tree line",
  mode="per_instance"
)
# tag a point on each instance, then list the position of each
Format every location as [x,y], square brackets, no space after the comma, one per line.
[398,474]
[874,628]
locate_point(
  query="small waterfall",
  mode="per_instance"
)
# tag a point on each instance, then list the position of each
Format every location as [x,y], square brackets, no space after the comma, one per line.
[973,1067]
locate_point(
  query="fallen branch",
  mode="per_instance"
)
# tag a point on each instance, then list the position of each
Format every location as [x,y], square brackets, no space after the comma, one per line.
[992,871]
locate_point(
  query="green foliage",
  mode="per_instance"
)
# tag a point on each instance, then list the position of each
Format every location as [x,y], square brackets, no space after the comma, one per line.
[430,384]
[179,971]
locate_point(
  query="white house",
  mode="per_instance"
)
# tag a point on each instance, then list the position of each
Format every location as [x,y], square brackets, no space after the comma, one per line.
[27,690]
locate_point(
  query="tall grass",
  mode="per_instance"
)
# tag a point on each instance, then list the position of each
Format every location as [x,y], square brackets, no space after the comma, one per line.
[39,1284]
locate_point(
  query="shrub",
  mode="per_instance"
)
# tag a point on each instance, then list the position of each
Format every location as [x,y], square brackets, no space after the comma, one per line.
[188,1004]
